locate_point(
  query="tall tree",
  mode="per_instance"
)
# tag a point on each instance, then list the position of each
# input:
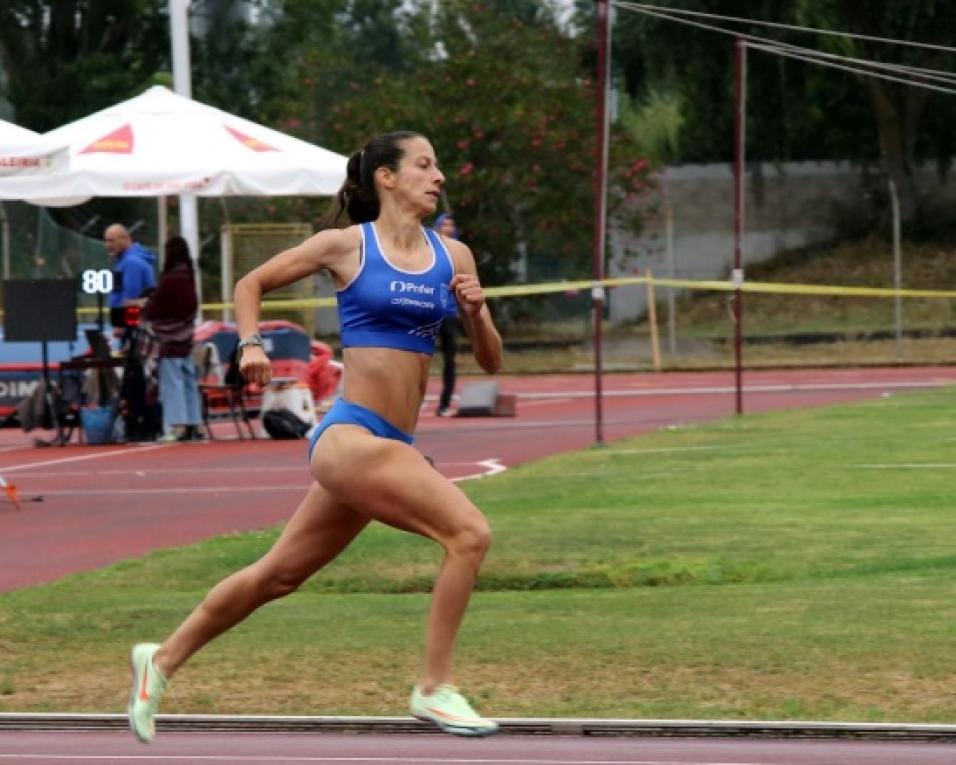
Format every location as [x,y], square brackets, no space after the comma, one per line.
[798,110]
[67,58]
[500,90]
[794,111]
[900,111]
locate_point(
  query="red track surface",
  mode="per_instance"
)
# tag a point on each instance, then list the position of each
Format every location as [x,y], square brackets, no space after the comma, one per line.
[418,749]
[108,503]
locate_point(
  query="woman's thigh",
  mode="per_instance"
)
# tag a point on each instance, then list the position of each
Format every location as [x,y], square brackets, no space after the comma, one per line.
[391,482]
[319,529]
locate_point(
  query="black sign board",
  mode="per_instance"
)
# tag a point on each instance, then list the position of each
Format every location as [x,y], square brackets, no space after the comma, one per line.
[37,310]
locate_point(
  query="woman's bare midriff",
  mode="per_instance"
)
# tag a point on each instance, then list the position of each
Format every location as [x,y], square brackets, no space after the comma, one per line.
[390,382]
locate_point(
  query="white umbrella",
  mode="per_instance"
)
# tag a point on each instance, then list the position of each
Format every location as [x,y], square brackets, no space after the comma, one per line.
[25,153]
[161,144]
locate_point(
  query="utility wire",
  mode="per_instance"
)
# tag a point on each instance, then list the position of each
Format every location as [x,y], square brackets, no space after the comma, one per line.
[918,72]
[790,27]
[780,51]
[806,54]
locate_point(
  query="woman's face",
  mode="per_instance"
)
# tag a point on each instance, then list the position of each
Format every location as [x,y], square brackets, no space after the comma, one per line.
[418,182]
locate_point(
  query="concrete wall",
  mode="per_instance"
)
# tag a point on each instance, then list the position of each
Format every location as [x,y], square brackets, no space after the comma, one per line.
[786,206]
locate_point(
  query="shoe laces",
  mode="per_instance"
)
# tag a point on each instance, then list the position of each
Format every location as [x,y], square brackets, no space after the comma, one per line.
[445,690]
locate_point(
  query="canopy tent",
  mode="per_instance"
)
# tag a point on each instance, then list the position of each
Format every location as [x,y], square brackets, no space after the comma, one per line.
[25,153]
[160,143]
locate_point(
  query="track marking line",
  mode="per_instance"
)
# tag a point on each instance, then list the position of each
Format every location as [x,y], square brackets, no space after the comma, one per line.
[141,473]
[492,467]
[410,760]
[79,458]
[175,490]
[543,401]
[721,389]
[907,466]
[678,449]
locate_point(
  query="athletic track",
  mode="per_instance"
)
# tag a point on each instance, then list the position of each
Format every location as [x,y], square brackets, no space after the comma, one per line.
[108,503]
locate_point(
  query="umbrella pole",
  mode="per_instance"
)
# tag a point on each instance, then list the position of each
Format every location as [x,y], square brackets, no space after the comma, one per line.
[162,224]
[189,229]
[5,228]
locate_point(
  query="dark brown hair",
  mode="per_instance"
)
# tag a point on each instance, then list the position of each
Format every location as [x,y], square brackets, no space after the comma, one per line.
[358,197]
[176,253]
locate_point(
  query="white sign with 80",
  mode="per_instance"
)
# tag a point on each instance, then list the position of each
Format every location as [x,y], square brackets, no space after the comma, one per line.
[97,282]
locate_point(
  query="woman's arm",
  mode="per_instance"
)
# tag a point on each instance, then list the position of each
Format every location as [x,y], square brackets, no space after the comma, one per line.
[328,249]
[485,341]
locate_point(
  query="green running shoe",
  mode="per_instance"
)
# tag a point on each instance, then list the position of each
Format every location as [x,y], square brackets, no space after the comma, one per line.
[449,710]
[148,688]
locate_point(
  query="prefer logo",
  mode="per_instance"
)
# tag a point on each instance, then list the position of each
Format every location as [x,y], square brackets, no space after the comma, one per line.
[418,289]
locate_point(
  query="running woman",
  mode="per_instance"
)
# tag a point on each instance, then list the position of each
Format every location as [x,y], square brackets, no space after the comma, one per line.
[397,281]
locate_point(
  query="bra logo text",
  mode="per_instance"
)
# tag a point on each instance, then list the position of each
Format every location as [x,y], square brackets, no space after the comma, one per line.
[420,289]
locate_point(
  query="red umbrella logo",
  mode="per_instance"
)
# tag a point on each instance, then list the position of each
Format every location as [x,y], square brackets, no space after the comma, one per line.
[248,141]
[118,142]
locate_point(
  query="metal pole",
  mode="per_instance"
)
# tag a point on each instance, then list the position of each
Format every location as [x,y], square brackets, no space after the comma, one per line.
[182,84]
[672,273]
[162,227]
[225,268]
[740,152]
[897,270]
[600,209]
[5,224]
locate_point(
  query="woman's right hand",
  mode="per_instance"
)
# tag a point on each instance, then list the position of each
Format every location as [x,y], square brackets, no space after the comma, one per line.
[254,365]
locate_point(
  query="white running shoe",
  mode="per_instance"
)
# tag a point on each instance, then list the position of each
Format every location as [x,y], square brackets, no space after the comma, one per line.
[148,688]
[450,711]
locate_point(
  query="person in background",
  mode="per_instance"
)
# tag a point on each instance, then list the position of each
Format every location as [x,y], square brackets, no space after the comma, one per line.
[134,272]
[448,335]
[171,314]
[396,281]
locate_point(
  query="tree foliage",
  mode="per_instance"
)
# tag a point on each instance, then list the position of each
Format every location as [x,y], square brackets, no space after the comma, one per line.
[68,58]
[797,110]
[909,123]
[505,94]
[501,92]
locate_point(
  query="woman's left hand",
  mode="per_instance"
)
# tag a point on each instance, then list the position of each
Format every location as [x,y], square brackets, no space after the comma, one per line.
[468,293]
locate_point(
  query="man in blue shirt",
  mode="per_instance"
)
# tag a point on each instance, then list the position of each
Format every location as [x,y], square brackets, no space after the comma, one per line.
[134,271]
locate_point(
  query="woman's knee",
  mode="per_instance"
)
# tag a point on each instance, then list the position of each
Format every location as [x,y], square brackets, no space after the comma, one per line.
[472,539]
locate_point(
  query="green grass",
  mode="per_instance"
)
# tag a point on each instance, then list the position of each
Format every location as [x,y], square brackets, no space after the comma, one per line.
[758,567]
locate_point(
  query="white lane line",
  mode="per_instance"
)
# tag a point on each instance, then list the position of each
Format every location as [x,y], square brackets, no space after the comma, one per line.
[98,455]
[141,473]
[492,467]
[296,469]
[677,449]
[907,466]
[172,490]
[540,399]
[710,390]
[294,758]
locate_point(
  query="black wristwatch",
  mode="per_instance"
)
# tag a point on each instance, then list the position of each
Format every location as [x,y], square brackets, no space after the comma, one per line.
[251,340]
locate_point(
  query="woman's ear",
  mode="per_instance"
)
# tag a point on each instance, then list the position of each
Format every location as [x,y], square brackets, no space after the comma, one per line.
[385,177]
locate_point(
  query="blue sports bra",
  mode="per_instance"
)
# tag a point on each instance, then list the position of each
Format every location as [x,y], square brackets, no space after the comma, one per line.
[388,307]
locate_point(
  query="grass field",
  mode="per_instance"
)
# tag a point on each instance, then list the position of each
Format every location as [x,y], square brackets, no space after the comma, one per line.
[795,565]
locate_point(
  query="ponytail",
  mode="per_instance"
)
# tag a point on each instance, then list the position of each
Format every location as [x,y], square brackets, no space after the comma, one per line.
[358,197]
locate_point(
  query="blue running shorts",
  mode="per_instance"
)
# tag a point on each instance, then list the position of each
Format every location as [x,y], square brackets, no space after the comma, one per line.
[346,413]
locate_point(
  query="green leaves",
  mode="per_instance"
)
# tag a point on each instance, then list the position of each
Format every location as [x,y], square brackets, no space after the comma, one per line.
[68,58]
[501,91]
[505,93]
